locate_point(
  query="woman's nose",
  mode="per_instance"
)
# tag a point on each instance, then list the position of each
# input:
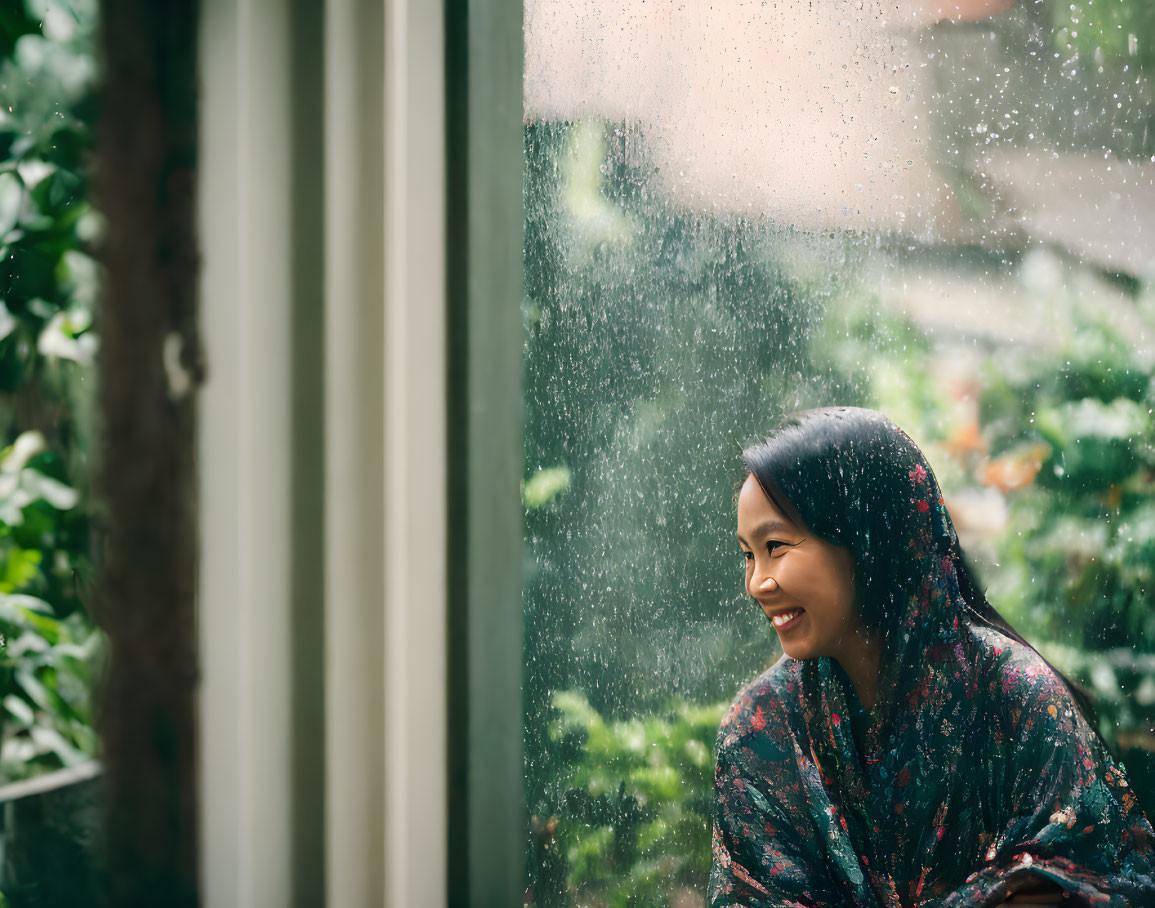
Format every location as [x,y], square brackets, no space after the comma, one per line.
[763,583]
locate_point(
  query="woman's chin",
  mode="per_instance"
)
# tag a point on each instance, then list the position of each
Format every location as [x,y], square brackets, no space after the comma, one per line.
[796,649]
[793,639]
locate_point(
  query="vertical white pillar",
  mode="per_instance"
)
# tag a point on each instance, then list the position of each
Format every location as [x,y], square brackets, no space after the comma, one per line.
[385,476]
[244,610]
[381,655]
[417,541]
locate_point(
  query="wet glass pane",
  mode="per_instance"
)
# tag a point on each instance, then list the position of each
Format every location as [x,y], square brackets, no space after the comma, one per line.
[49,648]
[738,210]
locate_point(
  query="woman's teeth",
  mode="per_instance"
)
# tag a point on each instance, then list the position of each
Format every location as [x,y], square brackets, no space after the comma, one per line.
[785,618]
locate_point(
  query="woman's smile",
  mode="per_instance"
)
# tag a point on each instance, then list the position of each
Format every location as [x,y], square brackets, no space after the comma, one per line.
[784,621]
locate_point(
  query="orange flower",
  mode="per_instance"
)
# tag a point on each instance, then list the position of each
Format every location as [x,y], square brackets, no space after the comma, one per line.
[967,439]
[1015,469]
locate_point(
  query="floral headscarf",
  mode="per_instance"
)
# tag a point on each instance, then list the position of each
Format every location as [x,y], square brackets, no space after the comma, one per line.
[976,768]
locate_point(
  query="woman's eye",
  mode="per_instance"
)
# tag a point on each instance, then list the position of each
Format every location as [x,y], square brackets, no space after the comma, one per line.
[747,556]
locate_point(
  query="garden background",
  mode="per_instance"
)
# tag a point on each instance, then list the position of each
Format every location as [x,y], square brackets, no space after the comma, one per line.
[659,339]
[662,336]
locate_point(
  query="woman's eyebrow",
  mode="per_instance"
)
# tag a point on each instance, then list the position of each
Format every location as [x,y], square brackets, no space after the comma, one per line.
[768,528]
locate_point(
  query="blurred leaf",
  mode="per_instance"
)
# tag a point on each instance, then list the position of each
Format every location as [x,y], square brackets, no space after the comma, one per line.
[544,486]
[50,490]
[27,445]
[34,689]
[49,740]
[11,201]
[21,567]
[19,710]
[8,323]
[14,23]
[27,643]
[47,626]
[57,190]
[60,339]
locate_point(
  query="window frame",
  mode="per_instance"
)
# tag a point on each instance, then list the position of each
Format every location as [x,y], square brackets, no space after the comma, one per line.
[360,453]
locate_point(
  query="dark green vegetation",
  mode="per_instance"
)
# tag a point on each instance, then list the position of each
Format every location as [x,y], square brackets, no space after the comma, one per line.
[47,345]
[49,647]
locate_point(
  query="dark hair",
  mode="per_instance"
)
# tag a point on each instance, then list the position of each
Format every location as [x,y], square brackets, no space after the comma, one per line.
[844,473]
[855,479]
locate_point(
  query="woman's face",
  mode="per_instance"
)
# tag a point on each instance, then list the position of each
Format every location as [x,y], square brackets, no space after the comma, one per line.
[804,584]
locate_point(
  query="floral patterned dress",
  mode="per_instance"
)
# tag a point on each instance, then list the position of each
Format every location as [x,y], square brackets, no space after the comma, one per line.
[975,769]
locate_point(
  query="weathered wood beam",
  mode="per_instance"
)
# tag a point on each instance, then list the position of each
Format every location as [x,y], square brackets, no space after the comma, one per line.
[149,373]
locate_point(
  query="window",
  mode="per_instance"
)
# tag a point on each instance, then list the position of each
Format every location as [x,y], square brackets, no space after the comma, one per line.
[736,211]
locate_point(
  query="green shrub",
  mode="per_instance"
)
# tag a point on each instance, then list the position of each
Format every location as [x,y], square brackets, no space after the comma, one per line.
[633,801]
[48,290]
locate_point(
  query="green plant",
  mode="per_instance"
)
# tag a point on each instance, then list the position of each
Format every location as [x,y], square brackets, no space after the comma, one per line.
[1077,559]
[48,288]
[630,804]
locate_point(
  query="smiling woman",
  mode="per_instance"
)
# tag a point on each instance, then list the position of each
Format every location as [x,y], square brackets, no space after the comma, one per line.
[909,748]
[805,586]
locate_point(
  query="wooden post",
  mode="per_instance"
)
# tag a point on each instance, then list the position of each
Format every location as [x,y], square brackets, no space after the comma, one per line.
[149,374]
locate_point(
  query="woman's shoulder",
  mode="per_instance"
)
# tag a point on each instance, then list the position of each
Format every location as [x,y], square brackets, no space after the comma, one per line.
[762,703]
[1023,680]
[1014,665]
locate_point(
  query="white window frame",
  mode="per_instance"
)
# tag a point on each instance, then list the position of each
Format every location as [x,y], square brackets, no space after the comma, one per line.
[359,602]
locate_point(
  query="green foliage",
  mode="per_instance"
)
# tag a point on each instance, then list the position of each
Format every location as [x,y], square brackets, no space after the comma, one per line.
[1078,556]
[1117,33]
[544,486]
[634,798]
[48,287]
[1078,541]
